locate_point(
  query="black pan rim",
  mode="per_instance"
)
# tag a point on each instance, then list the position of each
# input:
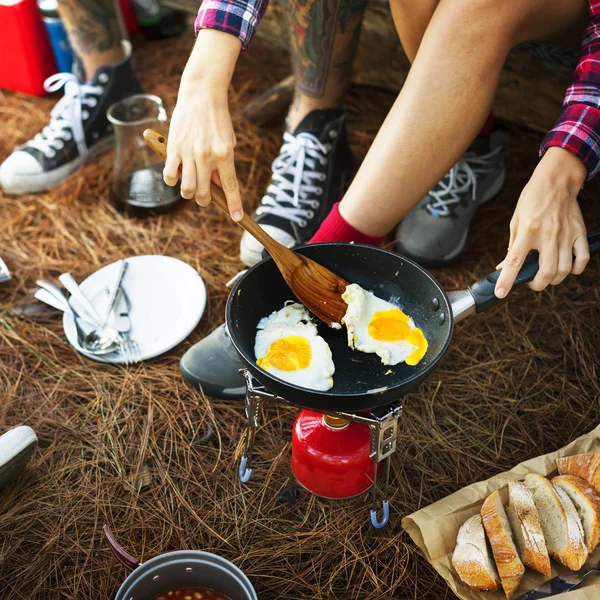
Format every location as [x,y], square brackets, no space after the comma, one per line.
[419,375]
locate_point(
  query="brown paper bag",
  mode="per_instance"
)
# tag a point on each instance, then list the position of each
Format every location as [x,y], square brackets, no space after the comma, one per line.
[435,527]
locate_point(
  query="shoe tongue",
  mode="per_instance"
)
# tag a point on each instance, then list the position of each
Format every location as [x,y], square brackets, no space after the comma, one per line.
[316,120]
[480,145]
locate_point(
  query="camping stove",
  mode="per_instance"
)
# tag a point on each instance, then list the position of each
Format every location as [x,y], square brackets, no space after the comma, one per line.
[372,434]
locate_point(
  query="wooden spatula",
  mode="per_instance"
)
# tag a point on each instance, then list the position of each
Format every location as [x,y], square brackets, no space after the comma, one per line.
[316,287]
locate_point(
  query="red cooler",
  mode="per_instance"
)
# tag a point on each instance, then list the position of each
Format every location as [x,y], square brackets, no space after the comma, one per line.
[26,58]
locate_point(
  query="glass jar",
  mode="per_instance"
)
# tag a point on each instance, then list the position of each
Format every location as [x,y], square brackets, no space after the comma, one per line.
[137,186]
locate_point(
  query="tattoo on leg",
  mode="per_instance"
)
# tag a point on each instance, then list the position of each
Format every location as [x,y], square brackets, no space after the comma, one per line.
[344,65]
[92,24]
[314,26]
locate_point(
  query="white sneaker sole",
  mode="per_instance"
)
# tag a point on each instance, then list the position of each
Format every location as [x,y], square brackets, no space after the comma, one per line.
[42,182]
[250,255]
[16,447]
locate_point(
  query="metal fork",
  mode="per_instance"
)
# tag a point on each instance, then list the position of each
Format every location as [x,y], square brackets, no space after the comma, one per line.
[132,349]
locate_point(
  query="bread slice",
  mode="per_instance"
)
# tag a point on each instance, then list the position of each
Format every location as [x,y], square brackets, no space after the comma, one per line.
[586,466]
[587,503]
[509,565]
[560,522]
[526,528]
[472,559]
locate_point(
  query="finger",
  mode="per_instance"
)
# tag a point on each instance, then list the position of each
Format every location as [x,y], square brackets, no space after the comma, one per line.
[512,265]
[171,170]
[202,195]
[581,250]
[216,178]
[513,235]
[230,186]
[548,268]
[234,140]
[565,261]
[188,180]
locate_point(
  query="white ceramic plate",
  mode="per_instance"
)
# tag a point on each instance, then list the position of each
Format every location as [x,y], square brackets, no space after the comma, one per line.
[167,299]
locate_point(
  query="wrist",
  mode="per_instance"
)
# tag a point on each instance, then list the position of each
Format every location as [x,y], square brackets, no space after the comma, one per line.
[211,62]
[563,168]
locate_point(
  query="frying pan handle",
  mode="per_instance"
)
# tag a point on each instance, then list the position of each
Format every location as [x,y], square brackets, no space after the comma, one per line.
[128,561]
[483,290]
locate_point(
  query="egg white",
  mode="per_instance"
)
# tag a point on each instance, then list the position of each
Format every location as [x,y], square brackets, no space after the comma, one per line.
[294,319]
[362,305]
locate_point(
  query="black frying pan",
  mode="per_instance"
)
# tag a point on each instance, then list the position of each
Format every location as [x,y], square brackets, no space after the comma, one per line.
[360,380]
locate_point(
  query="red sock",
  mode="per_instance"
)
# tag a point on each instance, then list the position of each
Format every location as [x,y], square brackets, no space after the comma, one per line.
[335,229]
[487,128]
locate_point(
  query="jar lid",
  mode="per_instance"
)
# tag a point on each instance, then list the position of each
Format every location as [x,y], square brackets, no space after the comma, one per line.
[49,8]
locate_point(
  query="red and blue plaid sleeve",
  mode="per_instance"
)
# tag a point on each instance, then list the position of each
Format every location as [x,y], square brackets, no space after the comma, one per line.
[578,128]
[238,17]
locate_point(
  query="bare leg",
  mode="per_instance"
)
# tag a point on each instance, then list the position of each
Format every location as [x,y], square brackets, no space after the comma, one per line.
[411,20]
[324,38]
[93,31]
[445,100]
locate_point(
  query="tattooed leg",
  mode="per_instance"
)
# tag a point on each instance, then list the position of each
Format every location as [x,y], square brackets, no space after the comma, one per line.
[324,38]
[93,31]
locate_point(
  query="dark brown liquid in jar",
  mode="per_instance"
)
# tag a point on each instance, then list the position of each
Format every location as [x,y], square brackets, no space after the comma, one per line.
[191,594]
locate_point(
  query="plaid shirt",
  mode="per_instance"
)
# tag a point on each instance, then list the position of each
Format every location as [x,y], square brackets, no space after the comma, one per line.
[577,129]
[238,17]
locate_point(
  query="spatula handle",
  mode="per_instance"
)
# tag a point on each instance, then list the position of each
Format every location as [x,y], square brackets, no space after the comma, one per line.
[158,143]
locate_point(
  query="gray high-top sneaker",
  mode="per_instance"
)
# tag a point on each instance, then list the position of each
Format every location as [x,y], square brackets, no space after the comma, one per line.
[435,231]
[213,365]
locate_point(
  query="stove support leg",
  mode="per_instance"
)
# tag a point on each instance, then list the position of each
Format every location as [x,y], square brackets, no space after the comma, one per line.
[252,411]
[378,524]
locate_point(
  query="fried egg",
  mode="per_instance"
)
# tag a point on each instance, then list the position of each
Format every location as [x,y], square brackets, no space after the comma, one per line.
[378,327]
[288,346]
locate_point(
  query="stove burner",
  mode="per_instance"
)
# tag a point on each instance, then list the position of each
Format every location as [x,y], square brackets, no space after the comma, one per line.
[383,427]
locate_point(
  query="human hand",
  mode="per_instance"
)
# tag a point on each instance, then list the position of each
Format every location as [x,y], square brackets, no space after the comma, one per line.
[201,136]
[548,219]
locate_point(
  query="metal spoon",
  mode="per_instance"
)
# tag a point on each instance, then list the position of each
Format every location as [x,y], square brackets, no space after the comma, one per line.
[101,340]
[54,297]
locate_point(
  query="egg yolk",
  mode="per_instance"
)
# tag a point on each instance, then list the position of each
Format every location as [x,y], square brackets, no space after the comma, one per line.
[287,354]
[417,339]
[389,325]
[392,326]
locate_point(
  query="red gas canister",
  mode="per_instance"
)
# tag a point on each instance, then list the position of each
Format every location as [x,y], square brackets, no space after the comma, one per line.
[26,58]
[330,455]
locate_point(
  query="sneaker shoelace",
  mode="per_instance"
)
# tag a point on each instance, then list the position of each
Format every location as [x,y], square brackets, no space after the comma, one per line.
[67,116]
[290,197]
[460,180]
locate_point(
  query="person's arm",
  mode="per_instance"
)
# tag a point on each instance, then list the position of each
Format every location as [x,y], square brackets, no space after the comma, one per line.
[201,137]
[548,217]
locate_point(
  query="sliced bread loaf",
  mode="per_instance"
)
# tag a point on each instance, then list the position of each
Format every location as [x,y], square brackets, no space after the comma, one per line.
[508,563]
[587,503]
[586,466]
[472,559]
[526,528]
[560,522]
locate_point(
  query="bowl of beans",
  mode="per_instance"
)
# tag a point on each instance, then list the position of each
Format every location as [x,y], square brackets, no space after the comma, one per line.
[181,575]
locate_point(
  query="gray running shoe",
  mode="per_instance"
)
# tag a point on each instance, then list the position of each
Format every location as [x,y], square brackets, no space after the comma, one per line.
[435,231]
[16,447]
[213,365]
